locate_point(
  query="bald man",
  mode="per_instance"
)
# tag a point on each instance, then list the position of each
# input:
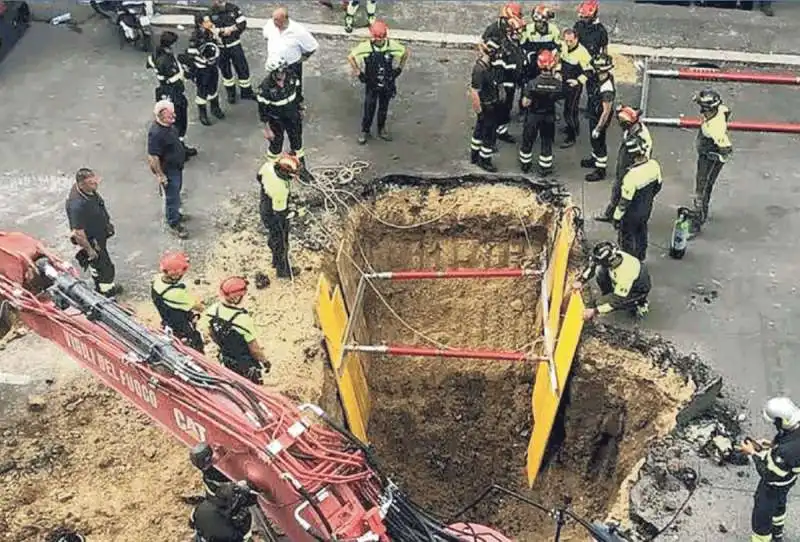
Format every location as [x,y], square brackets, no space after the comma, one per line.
[288,39]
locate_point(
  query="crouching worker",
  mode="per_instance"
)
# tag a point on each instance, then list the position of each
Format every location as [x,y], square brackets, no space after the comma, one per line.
[225,517]
[179,311]
[276,179]
[623,280]
[233,330]
[202,457]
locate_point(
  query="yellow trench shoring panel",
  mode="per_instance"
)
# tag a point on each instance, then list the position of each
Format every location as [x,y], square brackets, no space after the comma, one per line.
[353,390]
[545,400]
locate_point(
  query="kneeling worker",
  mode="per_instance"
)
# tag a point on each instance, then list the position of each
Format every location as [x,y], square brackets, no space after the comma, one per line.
[276,179]
[232,328]
[179,311]
[378,74]
[640,186]
[623,280]
[225,517]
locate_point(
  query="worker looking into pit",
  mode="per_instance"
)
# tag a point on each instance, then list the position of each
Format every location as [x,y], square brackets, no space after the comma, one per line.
[576,68]
[225,516]
[623,280]
[202,457]
[778,464]
[233,330]
[178,309]
[276,179]
[601,108]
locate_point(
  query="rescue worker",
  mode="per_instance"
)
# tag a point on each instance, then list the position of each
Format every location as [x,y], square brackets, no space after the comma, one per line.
[179,311]
[601,109]
[713,150]
[640,186]
[486,94]
[233,330]
[539,103]
[634,134]
[623,279]
[576,67]
[275,178]
[202,457]
[542,35]
[171,76]
[225,517]
[204,50]
[90,229]
[231,23]
[352,9]
[279,109]
[778,464]
[591,32]
[505,34]
[378,71]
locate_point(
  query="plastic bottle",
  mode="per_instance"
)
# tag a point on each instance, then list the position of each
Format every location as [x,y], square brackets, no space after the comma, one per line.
[680,234]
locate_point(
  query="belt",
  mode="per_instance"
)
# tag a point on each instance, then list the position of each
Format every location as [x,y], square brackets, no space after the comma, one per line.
[285,101]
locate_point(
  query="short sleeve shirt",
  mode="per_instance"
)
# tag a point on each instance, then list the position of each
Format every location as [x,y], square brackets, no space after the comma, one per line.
[290,44]
[164,142]
[87,212]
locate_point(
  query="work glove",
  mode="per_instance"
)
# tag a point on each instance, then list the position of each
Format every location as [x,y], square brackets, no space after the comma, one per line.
[397,71]
[615,223]
[596,133]
[110,230]
[362,77]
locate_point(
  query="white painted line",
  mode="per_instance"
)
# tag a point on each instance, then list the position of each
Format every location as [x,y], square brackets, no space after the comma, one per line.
[15,380]
[467,41]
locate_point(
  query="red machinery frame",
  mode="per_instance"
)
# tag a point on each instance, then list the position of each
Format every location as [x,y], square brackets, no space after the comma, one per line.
[713,74]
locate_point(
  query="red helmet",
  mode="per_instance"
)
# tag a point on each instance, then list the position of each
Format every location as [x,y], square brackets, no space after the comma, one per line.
[588,9]
[378,30]
[541,14]
[174,263]
[627,115]
[288,163]
[546,60]
[515,26]
[512,10]
[233,287]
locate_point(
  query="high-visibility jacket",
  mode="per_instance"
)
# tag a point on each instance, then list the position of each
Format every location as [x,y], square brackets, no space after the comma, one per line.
[629,278]
[712,137]
[639,188]
[276,189]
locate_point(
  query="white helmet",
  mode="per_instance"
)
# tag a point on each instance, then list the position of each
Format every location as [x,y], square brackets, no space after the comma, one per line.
[782,412]
[276,63]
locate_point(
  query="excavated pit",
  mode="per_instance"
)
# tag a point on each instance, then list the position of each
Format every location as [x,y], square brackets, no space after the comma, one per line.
[446,429]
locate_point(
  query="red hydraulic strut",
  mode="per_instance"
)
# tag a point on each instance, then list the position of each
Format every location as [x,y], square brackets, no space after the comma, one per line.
[454,274]
[692,122]
[704,74]
[401,350]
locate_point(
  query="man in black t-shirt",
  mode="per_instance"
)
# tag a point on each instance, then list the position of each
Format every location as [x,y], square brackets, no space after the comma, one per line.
[91,227]
[166,155]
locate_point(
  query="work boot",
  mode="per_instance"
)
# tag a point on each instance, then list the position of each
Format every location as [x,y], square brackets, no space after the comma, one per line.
[766,9]
[525,168]
[545,171]
[179,231]
[183,217]
[507,138]
[486,165]
[362,138]
[569,142]
[598,174]
[202,111]
[587,163]
[216,110]
[247,93]
[384,134]
[231,91]
[190,151]
[474,156]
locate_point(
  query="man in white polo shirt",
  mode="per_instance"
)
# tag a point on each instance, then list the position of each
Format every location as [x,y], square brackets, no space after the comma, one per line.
[290,40]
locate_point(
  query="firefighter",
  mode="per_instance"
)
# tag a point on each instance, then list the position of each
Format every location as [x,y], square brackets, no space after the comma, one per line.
[352,9]
[379,73]
[171,75]
[280,110]
[542,35]
[576,67]
[623,279]
[601,110]
[713,150]
[640,186]
[231,23]
[592,35]
[778,464]
[634,134]
[275,178]
[202,457]
[486,94]
[204,50]
[225,517]
[233,330]
[505,34]
[179,310]
[539,102]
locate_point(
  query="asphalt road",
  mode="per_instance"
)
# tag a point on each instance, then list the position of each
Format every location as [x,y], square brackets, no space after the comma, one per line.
[73,100]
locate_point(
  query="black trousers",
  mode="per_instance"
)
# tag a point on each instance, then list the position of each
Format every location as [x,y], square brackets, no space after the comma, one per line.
[246,367]
[277,225]
[543,126]
[292,126]
[178,98]
[375,99]
[769,509]
[572,98]
[102,268]
[633,237]
[631,302]
[297,70]
[230,59]
[484,135]
[207,80]
[708,170]
[504,110]
[599,145]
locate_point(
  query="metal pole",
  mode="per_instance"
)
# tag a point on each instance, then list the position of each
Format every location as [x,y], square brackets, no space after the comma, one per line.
[453,274]
[768,127]
[699,74]
[645,89]
[417,351]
